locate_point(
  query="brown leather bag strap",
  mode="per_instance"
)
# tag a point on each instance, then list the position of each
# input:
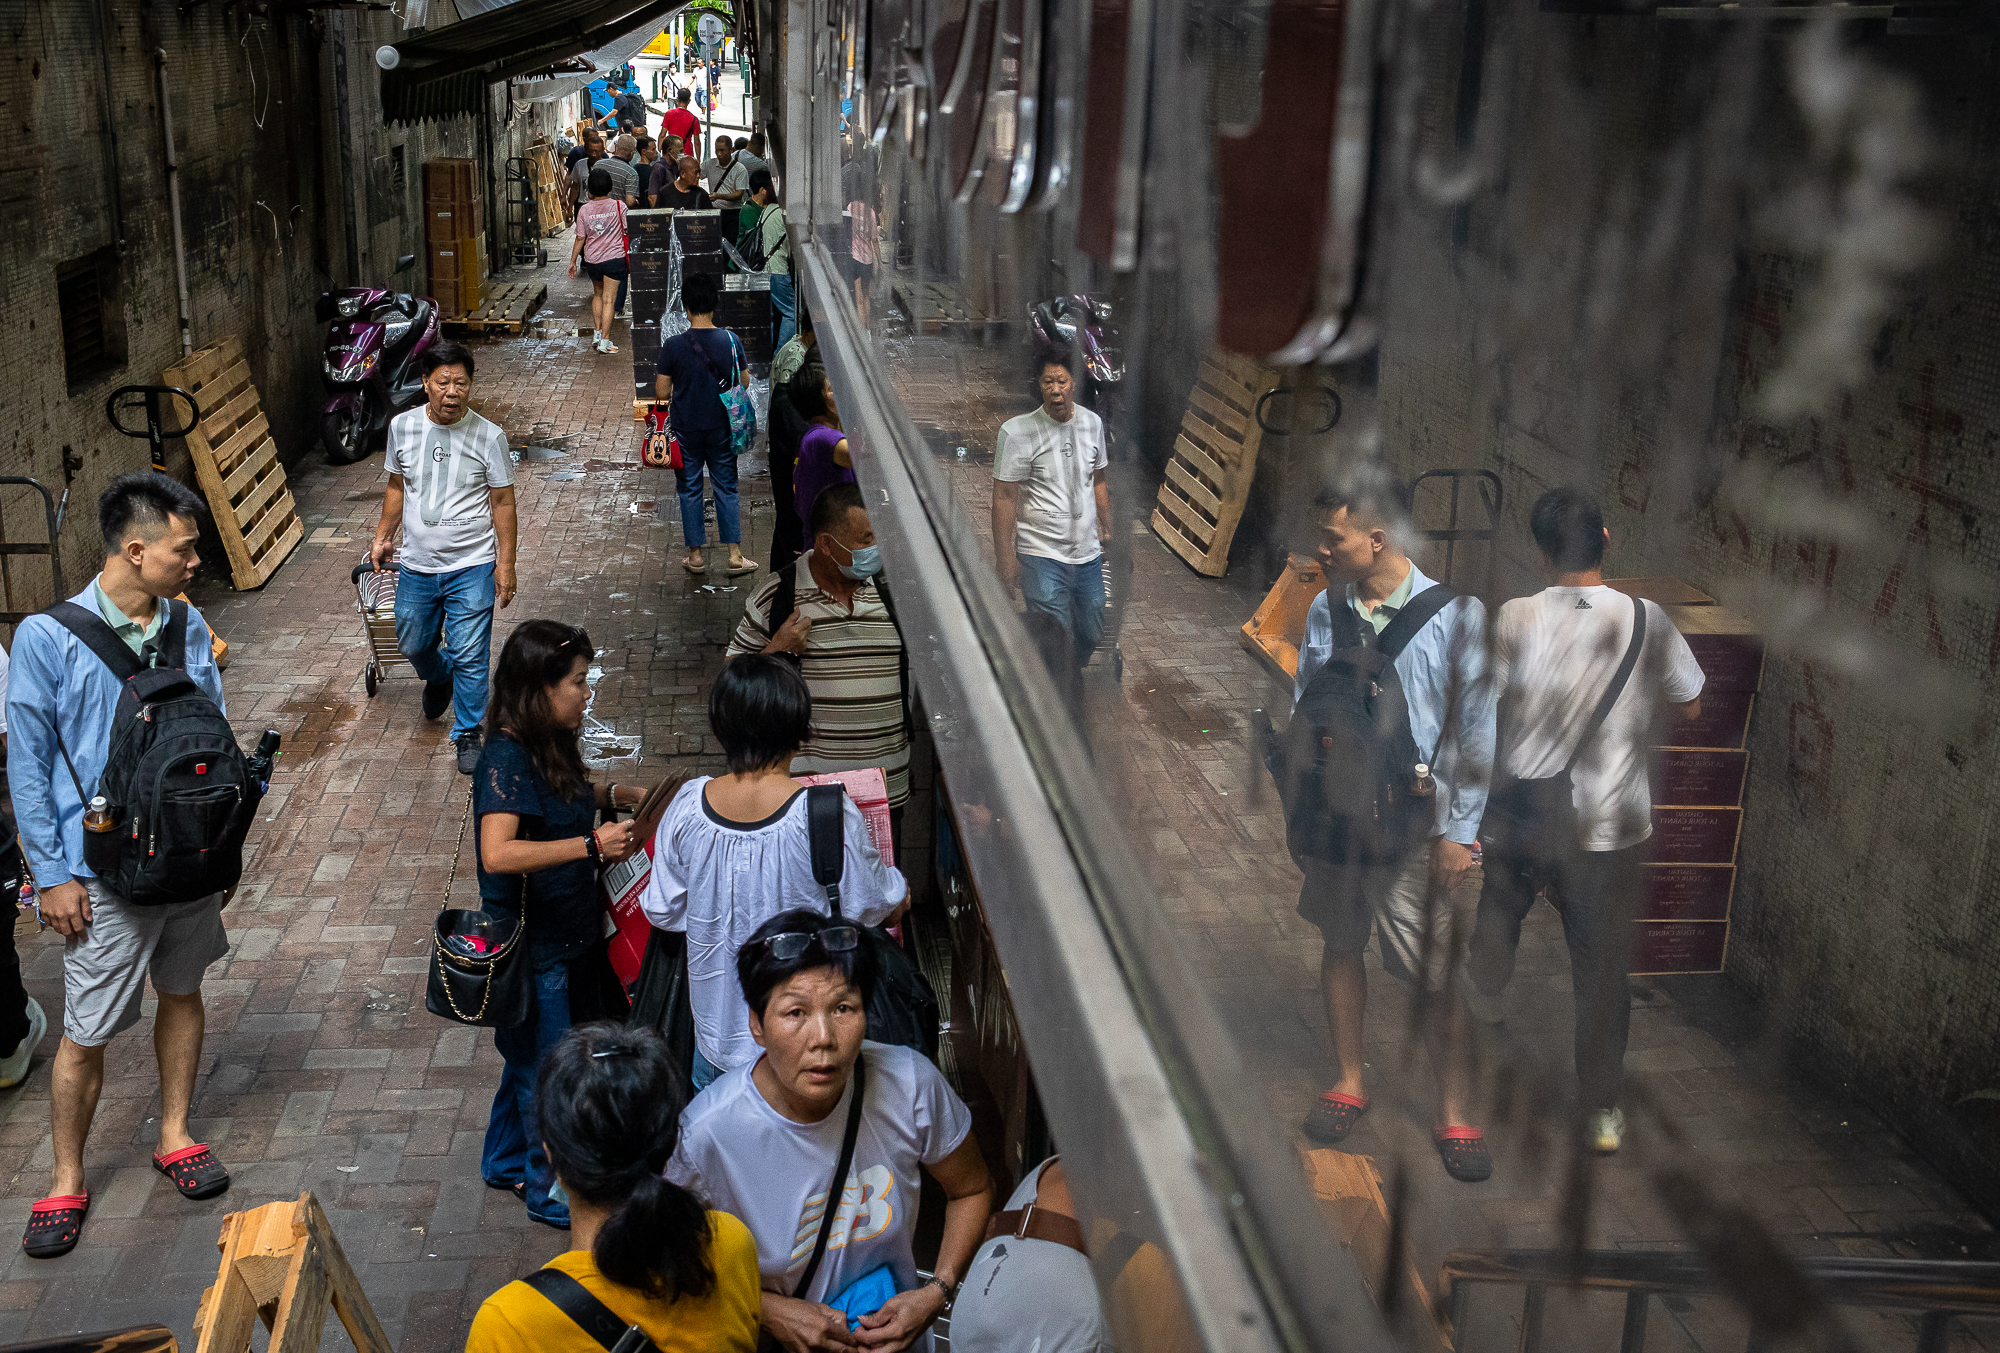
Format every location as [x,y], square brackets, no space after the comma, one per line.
[1038,1223]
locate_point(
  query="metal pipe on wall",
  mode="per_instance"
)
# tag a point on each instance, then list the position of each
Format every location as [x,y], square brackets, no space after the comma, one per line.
[174,202]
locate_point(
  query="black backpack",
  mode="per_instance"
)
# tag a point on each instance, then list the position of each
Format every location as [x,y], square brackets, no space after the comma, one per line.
[1346,763]
[179,787]
[903,1008]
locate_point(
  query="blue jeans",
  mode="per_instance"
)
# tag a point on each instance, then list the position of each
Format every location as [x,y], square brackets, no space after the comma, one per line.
[784,300]
[1072,593]
[704,1072]
[513,1151]
[711,448]
[457,608]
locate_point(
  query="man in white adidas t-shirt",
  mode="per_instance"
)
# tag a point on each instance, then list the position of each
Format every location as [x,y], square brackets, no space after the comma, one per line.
[1554,656]
[451,490]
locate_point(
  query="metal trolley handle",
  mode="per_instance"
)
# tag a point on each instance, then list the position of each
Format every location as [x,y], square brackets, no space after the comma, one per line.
[147,397]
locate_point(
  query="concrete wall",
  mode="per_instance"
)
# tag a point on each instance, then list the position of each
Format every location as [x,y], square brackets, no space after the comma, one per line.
[253,209]
[263,109]
[1676,290]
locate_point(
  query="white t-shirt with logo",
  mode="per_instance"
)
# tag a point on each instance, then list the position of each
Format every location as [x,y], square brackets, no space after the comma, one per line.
[1057,462]
[1554,655]
[745,1158]
[447,474]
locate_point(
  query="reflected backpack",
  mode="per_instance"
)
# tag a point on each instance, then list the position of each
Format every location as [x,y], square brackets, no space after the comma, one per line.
[1346,762]
[179,786]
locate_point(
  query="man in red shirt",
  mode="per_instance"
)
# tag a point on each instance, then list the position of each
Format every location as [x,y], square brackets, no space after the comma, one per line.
[680,122]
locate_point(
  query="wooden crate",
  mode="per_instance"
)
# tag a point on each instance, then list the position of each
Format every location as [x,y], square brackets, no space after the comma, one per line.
[507,309]
[1279,626]
[236,463]
[1213,462]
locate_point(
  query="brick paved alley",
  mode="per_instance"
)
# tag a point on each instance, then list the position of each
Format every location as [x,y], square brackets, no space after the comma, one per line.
[322,1070]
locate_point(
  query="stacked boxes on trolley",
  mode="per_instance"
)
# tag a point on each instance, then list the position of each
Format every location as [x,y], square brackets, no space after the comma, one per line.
[652,294]
[455,235]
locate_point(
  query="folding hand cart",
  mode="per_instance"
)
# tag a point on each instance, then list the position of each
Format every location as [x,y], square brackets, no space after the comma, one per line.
[375,598]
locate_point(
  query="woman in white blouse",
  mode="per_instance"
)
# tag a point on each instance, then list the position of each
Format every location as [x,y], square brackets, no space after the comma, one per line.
[732,851]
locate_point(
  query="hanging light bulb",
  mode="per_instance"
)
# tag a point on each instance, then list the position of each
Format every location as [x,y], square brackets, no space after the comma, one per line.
[388,58]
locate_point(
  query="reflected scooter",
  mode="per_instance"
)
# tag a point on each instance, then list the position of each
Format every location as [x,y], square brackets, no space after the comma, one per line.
[371,368]
[1083,323]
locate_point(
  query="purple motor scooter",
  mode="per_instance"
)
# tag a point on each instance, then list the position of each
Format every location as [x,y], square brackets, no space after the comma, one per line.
[371,366]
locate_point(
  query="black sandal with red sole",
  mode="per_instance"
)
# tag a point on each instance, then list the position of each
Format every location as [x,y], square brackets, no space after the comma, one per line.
[195,1171]
[54,1225]
[1463,1151]
[1334,1117]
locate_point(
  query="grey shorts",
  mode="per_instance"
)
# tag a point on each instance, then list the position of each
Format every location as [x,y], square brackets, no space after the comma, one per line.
[1421,930]
[105,971]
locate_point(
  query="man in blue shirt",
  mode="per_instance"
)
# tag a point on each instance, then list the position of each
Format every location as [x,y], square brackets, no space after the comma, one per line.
[60,700]
[1423,905]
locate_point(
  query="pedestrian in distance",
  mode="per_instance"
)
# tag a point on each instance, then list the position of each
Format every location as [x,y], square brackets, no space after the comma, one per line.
[728,184]
[1392,707]
[767,219]
[733,850]
[643,1249]
[830,612]
[762,1142]
[787,427]
[61,697]
[600,249]
[751,153]
[581,166]
[680,121]
[695,368]
[451,493]
[625,180]
[1052,506]
[684,191]
[539,854]
[1582,671]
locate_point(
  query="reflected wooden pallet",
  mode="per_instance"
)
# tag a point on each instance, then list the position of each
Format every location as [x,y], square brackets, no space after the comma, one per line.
[507,309]
[1213,463]
[934,307]
[236,462]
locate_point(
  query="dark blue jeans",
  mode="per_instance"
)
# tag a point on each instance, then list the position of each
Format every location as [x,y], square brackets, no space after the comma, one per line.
[454,610]
[513,1151]
[1072,593]
[710,448]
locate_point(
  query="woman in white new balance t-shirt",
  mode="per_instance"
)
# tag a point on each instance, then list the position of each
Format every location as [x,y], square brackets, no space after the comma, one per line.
[762,1144]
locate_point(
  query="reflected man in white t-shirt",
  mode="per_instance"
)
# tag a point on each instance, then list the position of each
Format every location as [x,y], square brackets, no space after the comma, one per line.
[1052,507]
[1555,655]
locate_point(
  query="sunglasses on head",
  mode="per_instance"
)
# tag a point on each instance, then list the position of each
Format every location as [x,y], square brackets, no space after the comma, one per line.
[833,939]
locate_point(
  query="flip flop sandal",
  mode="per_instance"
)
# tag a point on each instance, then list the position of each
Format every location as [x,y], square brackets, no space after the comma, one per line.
[1463,1151]
[738,570]
[1334,1117]
[518,1188]
[692,569]
[195,1171]
[54,1224]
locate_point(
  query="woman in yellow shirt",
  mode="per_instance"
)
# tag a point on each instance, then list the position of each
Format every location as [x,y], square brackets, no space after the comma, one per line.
[646,1251]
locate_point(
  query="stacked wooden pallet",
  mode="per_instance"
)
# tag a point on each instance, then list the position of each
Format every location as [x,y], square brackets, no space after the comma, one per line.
[551,204]
[506,309]
[933,307]
[1213,463]
[236,463]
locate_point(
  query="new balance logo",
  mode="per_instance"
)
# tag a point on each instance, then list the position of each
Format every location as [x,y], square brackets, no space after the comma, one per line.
[1583,603]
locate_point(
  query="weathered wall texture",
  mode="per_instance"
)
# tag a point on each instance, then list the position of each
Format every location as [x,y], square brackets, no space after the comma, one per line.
[278,125]
[1660,239]
[252,207]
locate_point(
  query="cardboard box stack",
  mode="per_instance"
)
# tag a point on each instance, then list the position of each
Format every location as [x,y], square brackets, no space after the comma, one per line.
[1698,782]
[455,234]
[653,234]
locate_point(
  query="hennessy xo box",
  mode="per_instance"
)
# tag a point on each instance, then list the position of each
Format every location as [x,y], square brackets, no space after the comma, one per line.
[648,229]
[703,265]
[1662,947]
[700,231]
[649,269]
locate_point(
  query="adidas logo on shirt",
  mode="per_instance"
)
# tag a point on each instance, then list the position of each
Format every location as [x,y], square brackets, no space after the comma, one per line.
[1583,603]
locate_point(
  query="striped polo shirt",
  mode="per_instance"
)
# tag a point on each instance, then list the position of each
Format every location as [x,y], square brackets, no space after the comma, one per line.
[852,666]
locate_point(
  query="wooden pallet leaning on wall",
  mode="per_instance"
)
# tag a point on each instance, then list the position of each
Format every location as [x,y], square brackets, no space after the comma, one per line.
[282,1264]
[552,211]
[1213,463]
[237,464]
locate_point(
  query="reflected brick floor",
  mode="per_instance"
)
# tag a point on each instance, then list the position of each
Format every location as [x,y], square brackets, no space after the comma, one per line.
[1171,744]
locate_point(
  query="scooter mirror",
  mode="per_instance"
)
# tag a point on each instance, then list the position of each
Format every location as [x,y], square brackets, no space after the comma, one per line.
[405,262]
[324,312]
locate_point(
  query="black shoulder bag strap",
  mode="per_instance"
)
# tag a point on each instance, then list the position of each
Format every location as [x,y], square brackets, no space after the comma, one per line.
[1396,635]
[786,599]
[592,1316]
[98,636]
[826,828]
[902,653]
[839,1184]
[1617,686]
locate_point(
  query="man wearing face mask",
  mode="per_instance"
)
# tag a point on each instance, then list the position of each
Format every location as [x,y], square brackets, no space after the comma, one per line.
[832,612]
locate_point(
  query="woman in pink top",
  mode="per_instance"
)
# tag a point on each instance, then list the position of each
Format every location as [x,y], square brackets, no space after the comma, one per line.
[600,244]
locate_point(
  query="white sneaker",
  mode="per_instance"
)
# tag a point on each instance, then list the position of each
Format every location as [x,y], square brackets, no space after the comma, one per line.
[607,346]
[1606,1130]
[14,1068]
